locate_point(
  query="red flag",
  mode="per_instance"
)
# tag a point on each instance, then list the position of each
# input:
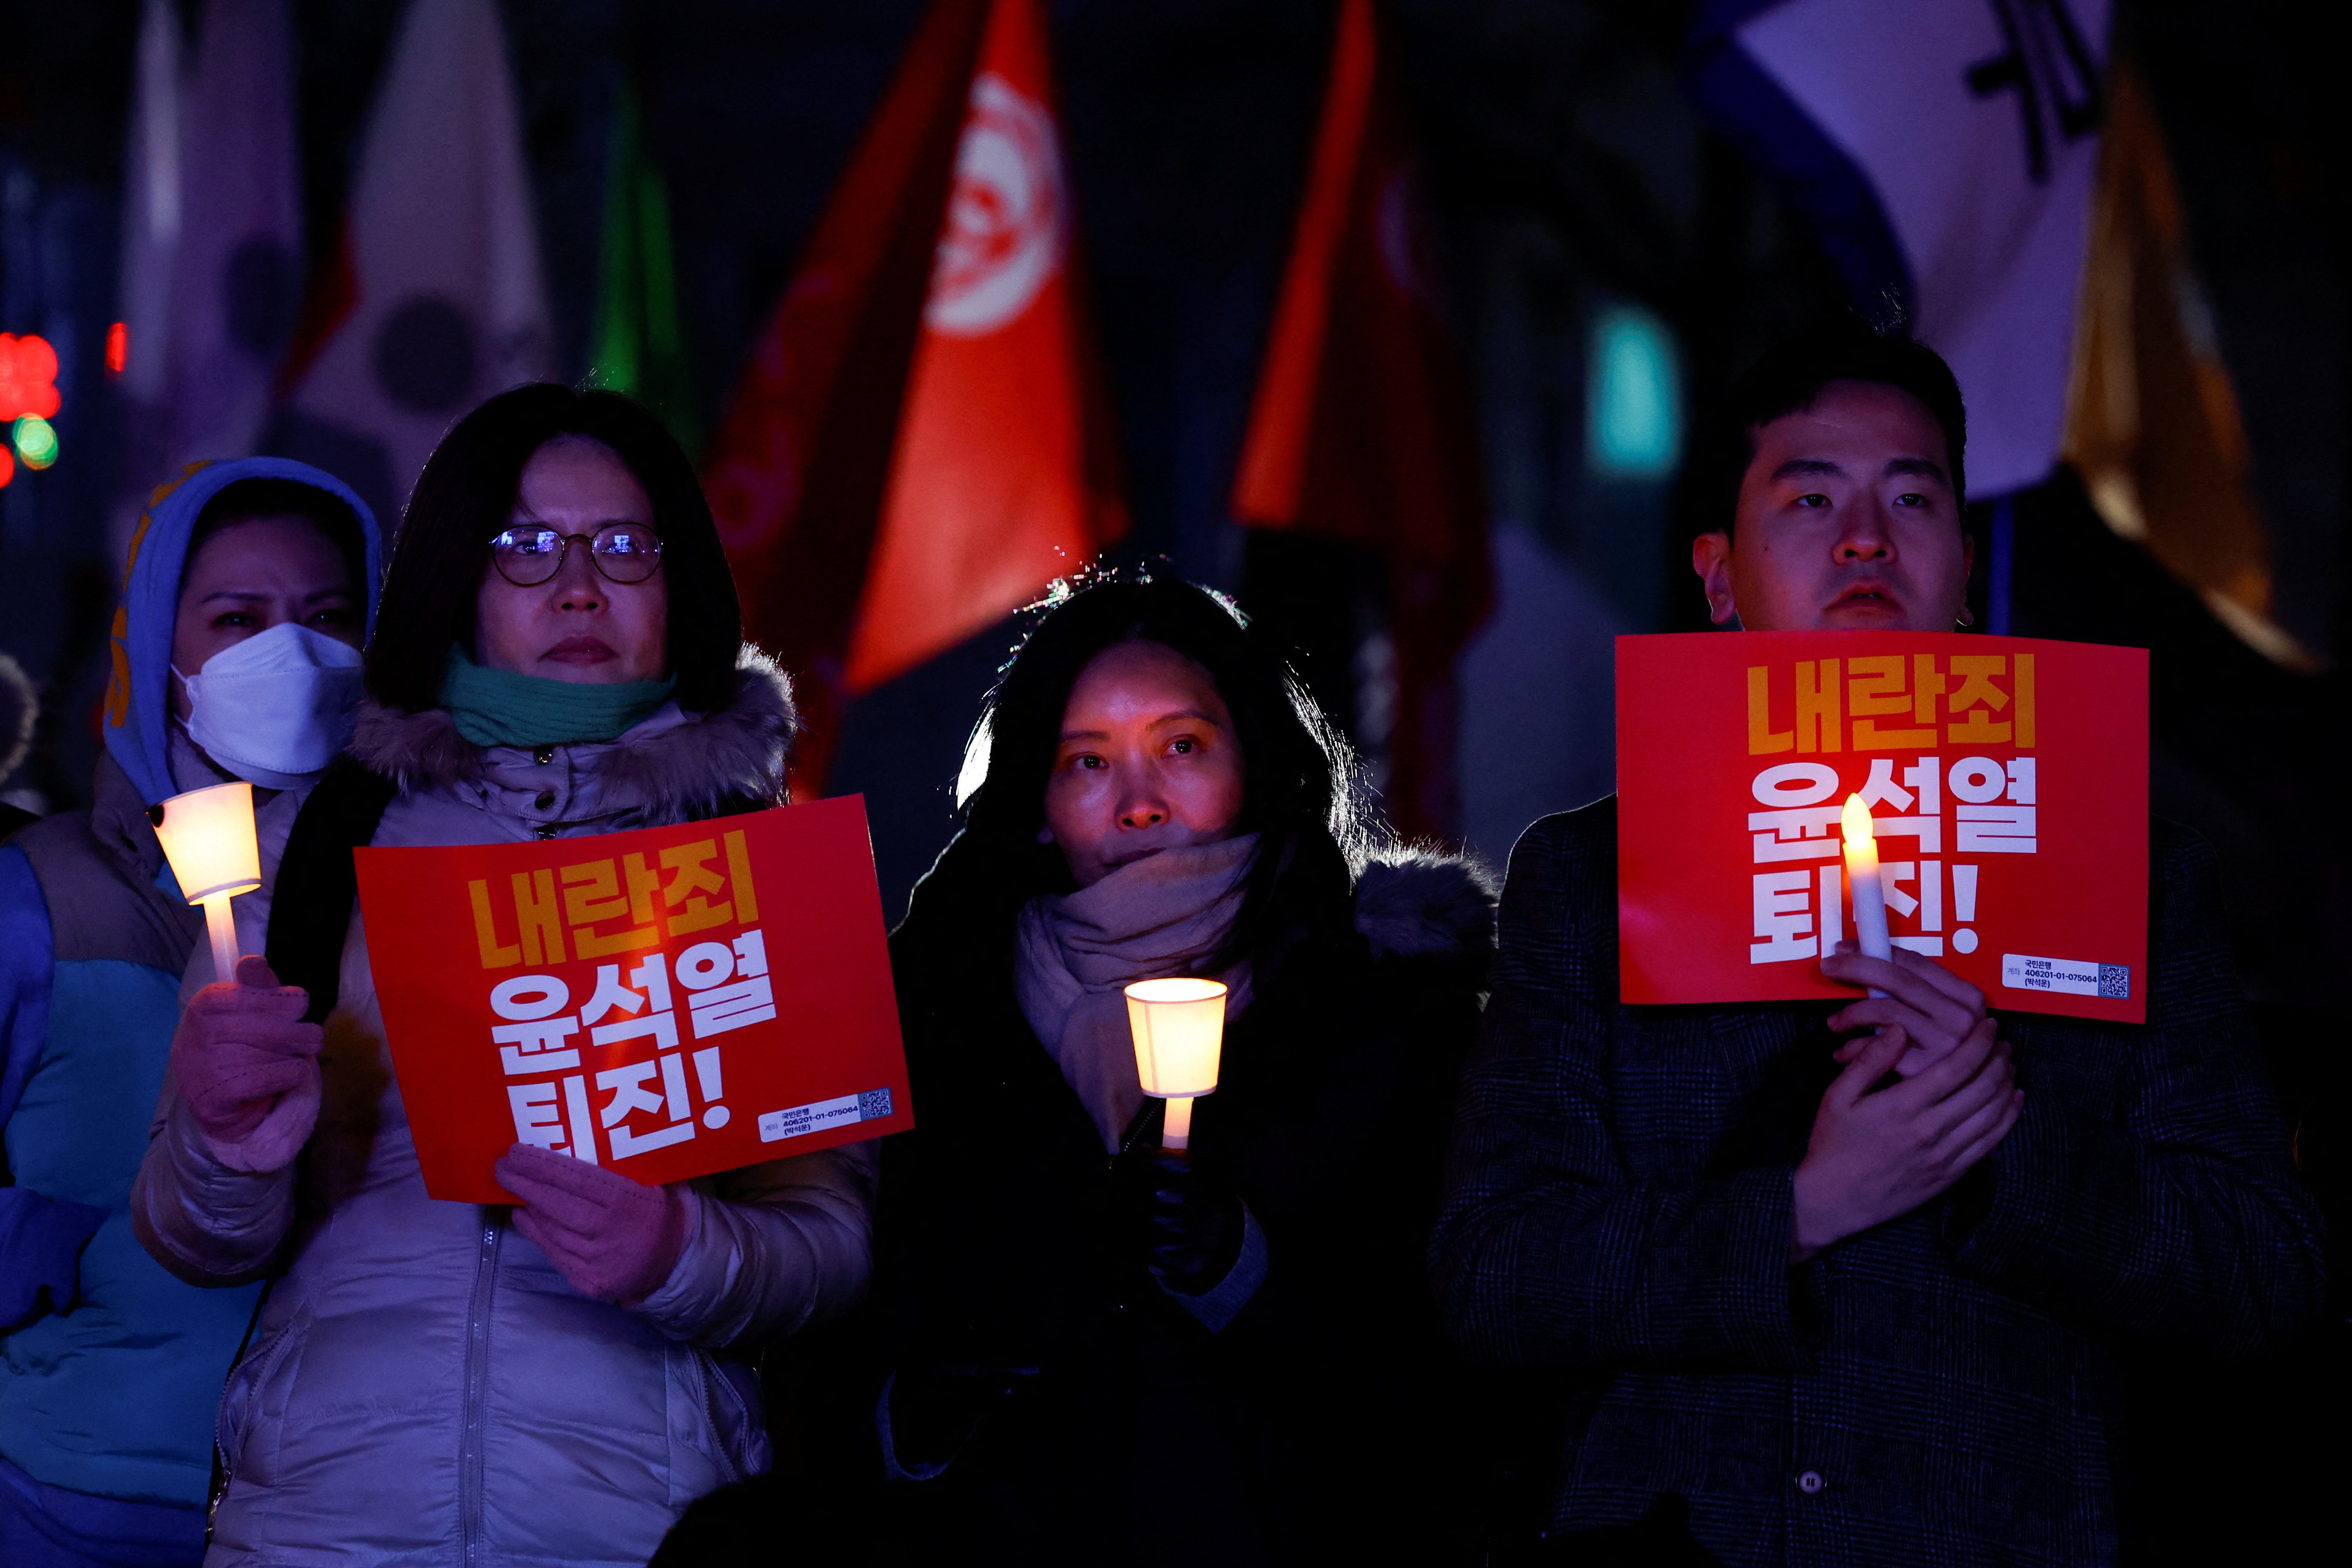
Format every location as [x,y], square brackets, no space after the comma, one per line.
[919,447]
[1362,431]
[1002,477]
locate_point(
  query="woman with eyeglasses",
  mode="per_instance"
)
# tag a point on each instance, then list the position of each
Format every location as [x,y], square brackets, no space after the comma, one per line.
[557,656]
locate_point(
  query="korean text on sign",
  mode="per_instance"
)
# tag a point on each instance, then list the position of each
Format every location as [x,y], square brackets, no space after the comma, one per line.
[621,905]
[669,1002]
[1949,703]
[2005,780]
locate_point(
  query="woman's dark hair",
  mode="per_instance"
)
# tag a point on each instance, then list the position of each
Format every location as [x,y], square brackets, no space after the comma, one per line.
[1299,789]
[465,496]
[1790,378]
[248,499]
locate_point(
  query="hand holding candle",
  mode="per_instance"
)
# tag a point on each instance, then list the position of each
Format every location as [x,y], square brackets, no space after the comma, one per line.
[244,1060]
[1869,894]
[1180,1029]
[247,1066]
[208,837]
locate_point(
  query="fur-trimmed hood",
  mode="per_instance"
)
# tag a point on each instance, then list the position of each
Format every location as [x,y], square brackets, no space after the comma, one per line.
[1419,903]
[675,763]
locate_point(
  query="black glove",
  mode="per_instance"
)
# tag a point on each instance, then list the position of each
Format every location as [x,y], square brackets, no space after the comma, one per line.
[936,1406]
[1187,1225]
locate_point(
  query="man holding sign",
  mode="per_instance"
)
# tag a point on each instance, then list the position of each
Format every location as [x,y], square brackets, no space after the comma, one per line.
[1858,1300]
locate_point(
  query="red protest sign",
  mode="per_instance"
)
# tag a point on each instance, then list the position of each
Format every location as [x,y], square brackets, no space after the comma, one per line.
[667,1003]
[2007,782]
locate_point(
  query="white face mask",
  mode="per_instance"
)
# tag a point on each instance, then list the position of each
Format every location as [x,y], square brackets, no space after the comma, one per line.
[276,708]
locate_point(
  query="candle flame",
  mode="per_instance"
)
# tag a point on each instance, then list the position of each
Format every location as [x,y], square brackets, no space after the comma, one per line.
[1855,820]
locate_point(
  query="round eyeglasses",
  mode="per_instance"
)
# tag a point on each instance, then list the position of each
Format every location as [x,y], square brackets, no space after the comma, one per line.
[621,551]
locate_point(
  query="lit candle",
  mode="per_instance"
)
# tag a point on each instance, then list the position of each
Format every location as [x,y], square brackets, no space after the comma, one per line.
[1868,892]
[207,835]
[1180,1028]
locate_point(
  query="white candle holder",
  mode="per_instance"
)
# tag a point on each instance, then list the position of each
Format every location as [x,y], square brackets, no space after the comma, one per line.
[208,837]
[1180,1030]
[1868,890]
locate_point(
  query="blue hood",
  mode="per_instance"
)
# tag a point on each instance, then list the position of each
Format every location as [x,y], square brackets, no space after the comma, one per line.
[136,720]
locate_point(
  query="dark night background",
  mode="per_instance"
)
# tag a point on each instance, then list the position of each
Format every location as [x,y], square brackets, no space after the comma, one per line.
[1572,176]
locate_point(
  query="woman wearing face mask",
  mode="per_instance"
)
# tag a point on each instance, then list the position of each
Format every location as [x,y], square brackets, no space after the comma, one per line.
[432,1382]
[235,655]
[1107,1353]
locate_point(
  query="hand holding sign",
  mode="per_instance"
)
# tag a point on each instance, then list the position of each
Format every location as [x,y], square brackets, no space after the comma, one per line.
[612,1238]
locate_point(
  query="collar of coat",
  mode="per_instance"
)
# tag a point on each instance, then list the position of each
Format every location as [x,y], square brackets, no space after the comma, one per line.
[1419,903]
[118,821]
[675,762]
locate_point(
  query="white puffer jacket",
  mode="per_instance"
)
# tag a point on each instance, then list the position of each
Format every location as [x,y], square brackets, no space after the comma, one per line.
[424,1387]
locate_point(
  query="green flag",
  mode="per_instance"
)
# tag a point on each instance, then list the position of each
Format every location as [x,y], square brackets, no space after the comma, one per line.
[640,346]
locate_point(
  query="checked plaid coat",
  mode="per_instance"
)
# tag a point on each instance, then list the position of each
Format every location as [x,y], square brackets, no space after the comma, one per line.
[1936,1390]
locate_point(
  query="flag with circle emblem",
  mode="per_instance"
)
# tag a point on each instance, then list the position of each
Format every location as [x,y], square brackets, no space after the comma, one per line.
[1000,480]
[921,444]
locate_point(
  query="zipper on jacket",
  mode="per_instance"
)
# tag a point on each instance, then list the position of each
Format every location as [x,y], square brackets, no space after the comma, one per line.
[224,1463]
[709,1367]
[478,1377]
[1134,1134]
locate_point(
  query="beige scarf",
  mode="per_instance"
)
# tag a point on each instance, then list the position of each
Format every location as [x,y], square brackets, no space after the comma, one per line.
[1160,916]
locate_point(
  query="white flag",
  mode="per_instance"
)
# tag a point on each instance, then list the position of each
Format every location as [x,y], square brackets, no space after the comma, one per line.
[237,274]
[449,306]
[150,239]
[1946,151]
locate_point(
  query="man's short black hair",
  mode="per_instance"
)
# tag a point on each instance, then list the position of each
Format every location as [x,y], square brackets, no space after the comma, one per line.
[1789,379]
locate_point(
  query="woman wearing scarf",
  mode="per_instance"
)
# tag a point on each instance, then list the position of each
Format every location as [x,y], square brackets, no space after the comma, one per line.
[431,1382]
[235,655]
[1103,1351]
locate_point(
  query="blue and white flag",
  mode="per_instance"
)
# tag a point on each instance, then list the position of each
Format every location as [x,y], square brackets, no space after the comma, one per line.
[442,304]
[211,240]
[151,201]
[1946,153]
[237,270]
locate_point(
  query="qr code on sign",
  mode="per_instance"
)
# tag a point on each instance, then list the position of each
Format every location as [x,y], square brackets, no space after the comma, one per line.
[874,1105]
[2115,981]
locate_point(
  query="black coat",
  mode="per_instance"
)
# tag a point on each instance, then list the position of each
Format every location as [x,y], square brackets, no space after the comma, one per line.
[1320,1417]
[1940,1389]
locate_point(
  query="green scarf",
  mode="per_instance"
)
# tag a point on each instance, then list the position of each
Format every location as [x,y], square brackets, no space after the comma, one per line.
[500,707]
